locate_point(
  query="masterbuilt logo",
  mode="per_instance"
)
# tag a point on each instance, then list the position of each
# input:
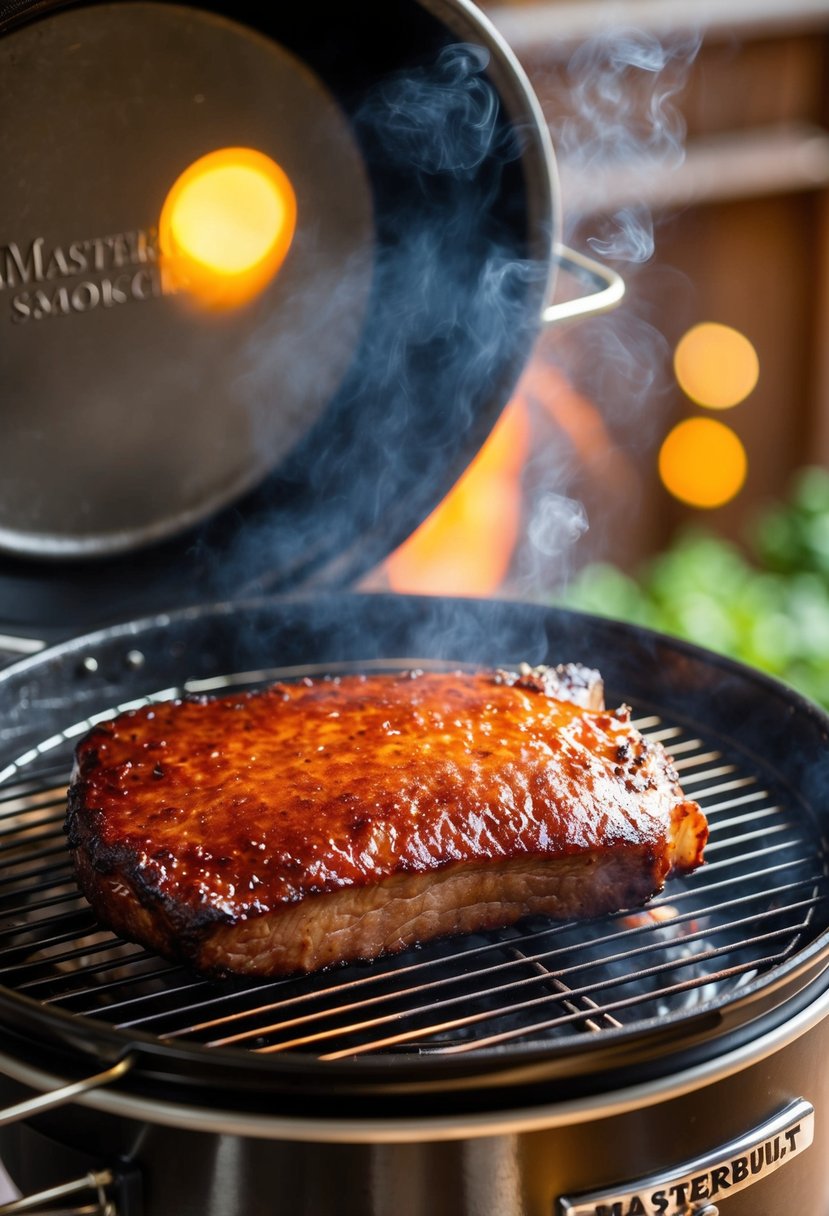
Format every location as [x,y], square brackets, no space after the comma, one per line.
[41,280]
[702,1184]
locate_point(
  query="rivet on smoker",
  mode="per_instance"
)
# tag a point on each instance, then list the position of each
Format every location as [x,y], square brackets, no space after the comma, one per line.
[89,664]
[134,659]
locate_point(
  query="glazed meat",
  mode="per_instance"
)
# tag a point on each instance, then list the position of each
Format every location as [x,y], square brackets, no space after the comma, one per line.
[319,821]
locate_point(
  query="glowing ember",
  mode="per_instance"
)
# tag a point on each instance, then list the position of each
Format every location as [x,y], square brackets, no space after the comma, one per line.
[227,224]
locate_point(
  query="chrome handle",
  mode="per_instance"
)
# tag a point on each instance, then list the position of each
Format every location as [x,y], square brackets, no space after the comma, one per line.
[17,647]
[67,1093]
[608,287]
[41,1203]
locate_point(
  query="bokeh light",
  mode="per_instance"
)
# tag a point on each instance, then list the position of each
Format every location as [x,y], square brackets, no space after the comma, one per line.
[716,366]
[227,224]
[703,463]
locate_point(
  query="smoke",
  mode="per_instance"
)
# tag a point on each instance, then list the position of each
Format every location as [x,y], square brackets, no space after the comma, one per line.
[630,238]
[615,123]
[440,119]
[456,289]
[621,88]
[616,107]
[557,523]
[457,286]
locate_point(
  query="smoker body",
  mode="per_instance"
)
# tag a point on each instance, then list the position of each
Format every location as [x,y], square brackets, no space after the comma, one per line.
[633,1145]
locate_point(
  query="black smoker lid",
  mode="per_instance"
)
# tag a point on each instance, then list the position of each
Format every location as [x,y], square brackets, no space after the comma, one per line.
[157,451]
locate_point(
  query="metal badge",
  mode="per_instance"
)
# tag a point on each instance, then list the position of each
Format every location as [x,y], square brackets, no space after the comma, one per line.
[697,1186]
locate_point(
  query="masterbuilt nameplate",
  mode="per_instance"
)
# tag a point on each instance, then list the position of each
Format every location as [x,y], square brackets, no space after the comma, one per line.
[701,1184]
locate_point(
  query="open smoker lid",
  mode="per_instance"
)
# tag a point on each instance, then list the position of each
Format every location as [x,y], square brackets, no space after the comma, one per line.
[266,283]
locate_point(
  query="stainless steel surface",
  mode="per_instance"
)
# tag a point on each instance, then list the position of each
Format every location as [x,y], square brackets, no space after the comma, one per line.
[132,419]
[11,646]
[607,288]
[95,1181]
[796,1040]
[203,1162]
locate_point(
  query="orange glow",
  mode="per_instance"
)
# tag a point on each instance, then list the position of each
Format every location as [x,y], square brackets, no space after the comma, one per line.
[716,366]
[466,544]
[703,463]
[582,424]
[226,225]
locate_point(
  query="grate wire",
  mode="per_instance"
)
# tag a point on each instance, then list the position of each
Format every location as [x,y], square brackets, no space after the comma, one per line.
[761,895]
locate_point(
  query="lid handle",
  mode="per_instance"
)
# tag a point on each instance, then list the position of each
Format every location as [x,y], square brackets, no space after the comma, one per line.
[607,287]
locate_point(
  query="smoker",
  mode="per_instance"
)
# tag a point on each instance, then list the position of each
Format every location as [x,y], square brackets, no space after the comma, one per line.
[205,451]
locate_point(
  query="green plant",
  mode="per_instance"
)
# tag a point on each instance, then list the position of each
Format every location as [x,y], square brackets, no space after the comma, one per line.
[771,612]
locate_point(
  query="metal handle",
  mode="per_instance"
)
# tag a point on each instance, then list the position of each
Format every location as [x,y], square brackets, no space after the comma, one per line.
[95,1180]
[608,287]
[59,1097]
[17,647]
[39,1204]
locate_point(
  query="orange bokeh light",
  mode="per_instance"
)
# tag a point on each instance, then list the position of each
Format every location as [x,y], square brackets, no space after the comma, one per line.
[716,366]
[703,463]
[226,226]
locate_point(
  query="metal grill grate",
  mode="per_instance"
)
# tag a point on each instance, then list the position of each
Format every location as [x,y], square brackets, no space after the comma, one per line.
[762,895]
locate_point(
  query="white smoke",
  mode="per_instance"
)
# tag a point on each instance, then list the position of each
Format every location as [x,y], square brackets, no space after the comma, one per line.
[621,118]
[557,523]
[614,119]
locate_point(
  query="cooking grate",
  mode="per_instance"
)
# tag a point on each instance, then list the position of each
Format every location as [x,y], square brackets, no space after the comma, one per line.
[762,895]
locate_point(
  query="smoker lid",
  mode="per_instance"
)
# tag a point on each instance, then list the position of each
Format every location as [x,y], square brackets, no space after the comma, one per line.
[163,443]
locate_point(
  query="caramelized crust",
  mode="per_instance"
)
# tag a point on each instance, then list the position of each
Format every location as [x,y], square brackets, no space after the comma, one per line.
[342,818]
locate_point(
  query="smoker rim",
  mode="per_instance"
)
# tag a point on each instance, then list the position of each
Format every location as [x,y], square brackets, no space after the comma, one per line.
[406,1130]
